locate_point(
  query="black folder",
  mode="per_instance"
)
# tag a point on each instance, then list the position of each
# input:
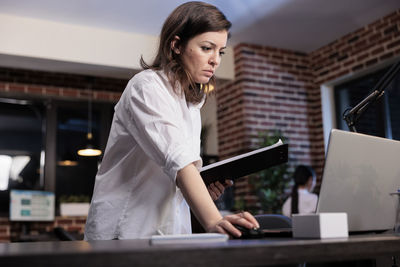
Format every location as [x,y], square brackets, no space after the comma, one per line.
[245,164]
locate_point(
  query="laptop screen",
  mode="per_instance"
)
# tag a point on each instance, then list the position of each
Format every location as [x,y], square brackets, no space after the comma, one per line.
[359,174]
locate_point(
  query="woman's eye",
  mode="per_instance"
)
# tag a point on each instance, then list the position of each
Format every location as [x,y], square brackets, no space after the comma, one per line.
[221,53]
[206,48]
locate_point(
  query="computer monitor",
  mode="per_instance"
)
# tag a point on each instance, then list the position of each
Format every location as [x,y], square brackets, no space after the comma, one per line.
[29,205]
[359,174]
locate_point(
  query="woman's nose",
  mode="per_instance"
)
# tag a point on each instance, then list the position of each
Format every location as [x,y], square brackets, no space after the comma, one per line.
[215,59]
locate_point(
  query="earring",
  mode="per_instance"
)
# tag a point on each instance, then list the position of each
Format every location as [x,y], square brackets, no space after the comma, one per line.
[207,88]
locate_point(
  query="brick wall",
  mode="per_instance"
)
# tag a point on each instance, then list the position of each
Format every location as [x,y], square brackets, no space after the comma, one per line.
[272,90]
[11,231]
[280,89]
[359,50]
[27,83]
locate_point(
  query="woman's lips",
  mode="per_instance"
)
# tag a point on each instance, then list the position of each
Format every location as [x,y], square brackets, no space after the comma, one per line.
[209,72]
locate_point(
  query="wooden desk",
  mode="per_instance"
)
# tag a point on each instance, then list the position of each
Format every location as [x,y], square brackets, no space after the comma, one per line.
[232,253]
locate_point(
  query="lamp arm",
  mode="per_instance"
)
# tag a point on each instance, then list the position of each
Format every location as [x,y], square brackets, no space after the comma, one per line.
[351,116]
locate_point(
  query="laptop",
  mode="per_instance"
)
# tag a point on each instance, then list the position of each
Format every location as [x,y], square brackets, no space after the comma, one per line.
[359,174]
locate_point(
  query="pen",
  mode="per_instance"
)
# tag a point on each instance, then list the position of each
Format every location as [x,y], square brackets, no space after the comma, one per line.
[159,232]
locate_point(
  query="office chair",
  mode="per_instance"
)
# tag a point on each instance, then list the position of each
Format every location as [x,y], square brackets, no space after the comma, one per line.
[63,235]
[273,221]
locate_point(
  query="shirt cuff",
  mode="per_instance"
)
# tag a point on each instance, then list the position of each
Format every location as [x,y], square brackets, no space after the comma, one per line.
[180,159]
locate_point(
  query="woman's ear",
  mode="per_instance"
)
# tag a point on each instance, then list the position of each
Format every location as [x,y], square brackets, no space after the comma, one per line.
[175,45]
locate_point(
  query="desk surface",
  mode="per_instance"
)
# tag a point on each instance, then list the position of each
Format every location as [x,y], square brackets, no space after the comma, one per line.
[232,253]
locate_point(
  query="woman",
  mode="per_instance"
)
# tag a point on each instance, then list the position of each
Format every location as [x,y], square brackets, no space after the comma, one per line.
[150,170]
[301,199]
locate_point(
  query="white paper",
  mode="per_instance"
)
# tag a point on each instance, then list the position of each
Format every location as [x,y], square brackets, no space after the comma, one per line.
[189,238]
[241,156]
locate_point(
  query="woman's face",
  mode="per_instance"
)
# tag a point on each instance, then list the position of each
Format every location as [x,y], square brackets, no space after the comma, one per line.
[202,55]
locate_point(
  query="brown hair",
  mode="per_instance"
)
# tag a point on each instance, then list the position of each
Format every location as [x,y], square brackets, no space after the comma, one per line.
[186,21]
[301,176]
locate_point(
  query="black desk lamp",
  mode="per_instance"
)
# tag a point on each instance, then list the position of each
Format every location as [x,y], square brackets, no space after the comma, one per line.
[351,116]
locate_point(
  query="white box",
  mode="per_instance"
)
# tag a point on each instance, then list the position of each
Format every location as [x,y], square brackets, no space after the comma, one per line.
[74,209]
[321,225]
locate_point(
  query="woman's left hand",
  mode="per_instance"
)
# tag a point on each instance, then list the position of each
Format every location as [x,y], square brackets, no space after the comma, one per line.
[217,189]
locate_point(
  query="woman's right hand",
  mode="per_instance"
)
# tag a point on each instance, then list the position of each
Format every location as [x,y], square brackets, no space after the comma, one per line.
[195,192]
[225,225]
[216,189]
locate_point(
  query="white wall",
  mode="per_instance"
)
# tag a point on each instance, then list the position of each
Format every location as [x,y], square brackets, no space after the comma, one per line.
[328,111]
[209,120]
[46,45]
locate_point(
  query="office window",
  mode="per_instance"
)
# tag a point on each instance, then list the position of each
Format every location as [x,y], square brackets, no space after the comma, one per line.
[26,126]
[21,148]
[394,104]
[75,174]
[380,119]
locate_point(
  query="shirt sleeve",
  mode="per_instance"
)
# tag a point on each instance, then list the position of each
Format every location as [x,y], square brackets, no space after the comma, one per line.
[286,207]
[156,123]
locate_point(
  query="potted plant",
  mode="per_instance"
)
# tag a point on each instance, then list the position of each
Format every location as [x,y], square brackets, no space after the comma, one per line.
[74,205]
[269,185]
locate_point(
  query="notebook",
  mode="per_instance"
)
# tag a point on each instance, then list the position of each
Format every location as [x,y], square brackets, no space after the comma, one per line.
[246,163]
[359,174]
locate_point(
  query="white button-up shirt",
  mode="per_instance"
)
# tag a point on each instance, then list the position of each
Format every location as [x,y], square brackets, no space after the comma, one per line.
[154,134]
[307,203]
